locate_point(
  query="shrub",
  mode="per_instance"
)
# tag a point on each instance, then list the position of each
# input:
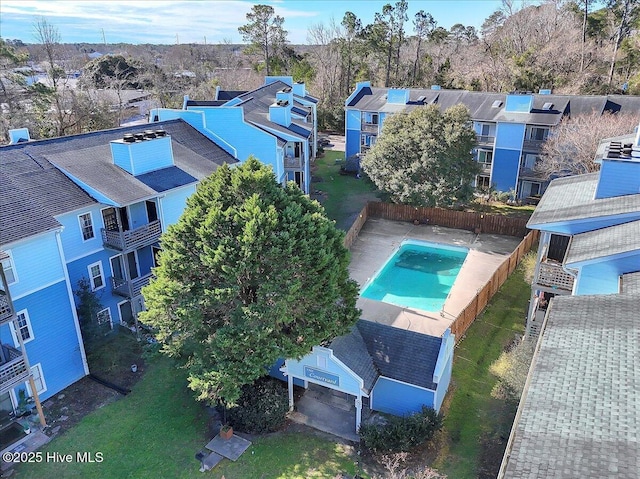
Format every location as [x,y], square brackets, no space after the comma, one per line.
[262,407]
[512,368]
[401,433]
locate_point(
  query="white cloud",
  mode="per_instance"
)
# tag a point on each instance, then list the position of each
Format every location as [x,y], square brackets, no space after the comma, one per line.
[147,21]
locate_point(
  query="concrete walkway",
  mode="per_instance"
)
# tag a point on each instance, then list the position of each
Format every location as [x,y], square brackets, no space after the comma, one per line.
[379,238]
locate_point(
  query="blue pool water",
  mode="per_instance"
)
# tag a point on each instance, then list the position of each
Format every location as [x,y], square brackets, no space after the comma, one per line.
[419,275]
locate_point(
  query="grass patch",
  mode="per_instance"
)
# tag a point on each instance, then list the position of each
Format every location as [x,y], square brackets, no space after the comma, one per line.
[290,456]
[476,426]
[501,209]
[157,429]
[343,196]
[153,432]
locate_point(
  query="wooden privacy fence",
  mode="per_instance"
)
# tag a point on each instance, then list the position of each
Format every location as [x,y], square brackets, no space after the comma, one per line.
[468,315]
[464,220]
[481,223]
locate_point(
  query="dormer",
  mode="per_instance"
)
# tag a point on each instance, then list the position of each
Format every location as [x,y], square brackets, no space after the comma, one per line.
[519,103]
[280,112]
[139,153]
[398,96]
[18,135]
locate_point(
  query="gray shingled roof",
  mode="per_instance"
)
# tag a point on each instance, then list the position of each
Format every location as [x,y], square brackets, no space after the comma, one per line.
[580,413]
[480,104]
[256,103]
[352,351]
[573,198]
[604,242]
[400,354]
[373,349]
[39,191]
[630,283]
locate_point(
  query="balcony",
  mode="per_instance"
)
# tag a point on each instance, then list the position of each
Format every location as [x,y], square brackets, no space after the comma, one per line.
[293,162]
[532,145]
[133,239]
[13,368]
[553,276]
[6,314]
[130,289]
[485,140]
[369,127]
[485,168]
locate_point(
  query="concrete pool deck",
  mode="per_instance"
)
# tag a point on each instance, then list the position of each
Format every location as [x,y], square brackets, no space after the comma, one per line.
[379,238]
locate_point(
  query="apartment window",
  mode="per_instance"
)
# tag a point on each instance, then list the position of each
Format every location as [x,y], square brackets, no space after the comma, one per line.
[9,269]
[24,328]
[38,379]
[530,161]
[96,276]
[485,156]
[86,226]
[538,134]
[482,182]
[104,316]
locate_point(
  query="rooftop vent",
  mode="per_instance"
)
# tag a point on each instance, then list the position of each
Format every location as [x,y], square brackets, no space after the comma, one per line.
[128,138]
[496,104]
[286,90]
[282,103]
[422,98]
[160,133]
[547,106]
[149,134]
[139,136]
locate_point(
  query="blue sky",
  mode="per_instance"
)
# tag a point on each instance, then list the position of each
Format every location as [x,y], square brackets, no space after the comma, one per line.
[165,22]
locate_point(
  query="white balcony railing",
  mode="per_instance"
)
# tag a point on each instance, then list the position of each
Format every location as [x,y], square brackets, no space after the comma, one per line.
[145,235]
[552,275]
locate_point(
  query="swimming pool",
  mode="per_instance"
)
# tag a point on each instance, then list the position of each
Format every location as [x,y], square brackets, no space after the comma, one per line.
[418,275]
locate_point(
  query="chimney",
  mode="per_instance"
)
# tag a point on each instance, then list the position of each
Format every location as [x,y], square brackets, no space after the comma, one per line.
[19,135]
[142,152]
[299,89]
[280,112]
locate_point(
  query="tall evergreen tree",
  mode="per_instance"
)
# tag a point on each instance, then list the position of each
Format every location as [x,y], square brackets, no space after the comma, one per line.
[252,272]
[423,157]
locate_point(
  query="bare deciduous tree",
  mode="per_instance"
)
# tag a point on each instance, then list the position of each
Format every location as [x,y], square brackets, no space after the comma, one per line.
[571,148]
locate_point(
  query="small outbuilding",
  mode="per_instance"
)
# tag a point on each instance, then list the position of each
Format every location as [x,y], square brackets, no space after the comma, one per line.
[396,370]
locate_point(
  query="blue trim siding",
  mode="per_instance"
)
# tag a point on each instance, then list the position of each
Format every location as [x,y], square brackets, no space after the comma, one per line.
[505,169]
[604,277]
[37,263]
[618,178]
[55,345]
[352,145]
[399,399]
[583,225]
[274,372]
[443,385]
[172,205]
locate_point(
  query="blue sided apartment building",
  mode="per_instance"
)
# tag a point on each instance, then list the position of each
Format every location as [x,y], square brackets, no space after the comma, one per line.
[87,207]
[579,412]
[510,128]
[276,123]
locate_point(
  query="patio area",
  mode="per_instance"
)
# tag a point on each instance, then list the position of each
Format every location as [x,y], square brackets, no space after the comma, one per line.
[379,238]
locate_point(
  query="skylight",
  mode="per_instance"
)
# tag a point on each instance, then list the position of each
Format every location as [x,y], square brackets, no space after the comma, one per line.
[496,104]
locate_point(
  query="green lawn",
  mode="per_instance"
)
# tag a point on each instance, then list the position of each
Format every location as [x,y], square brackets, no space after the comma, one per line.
[156,430]
[476,425]
[343,196]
